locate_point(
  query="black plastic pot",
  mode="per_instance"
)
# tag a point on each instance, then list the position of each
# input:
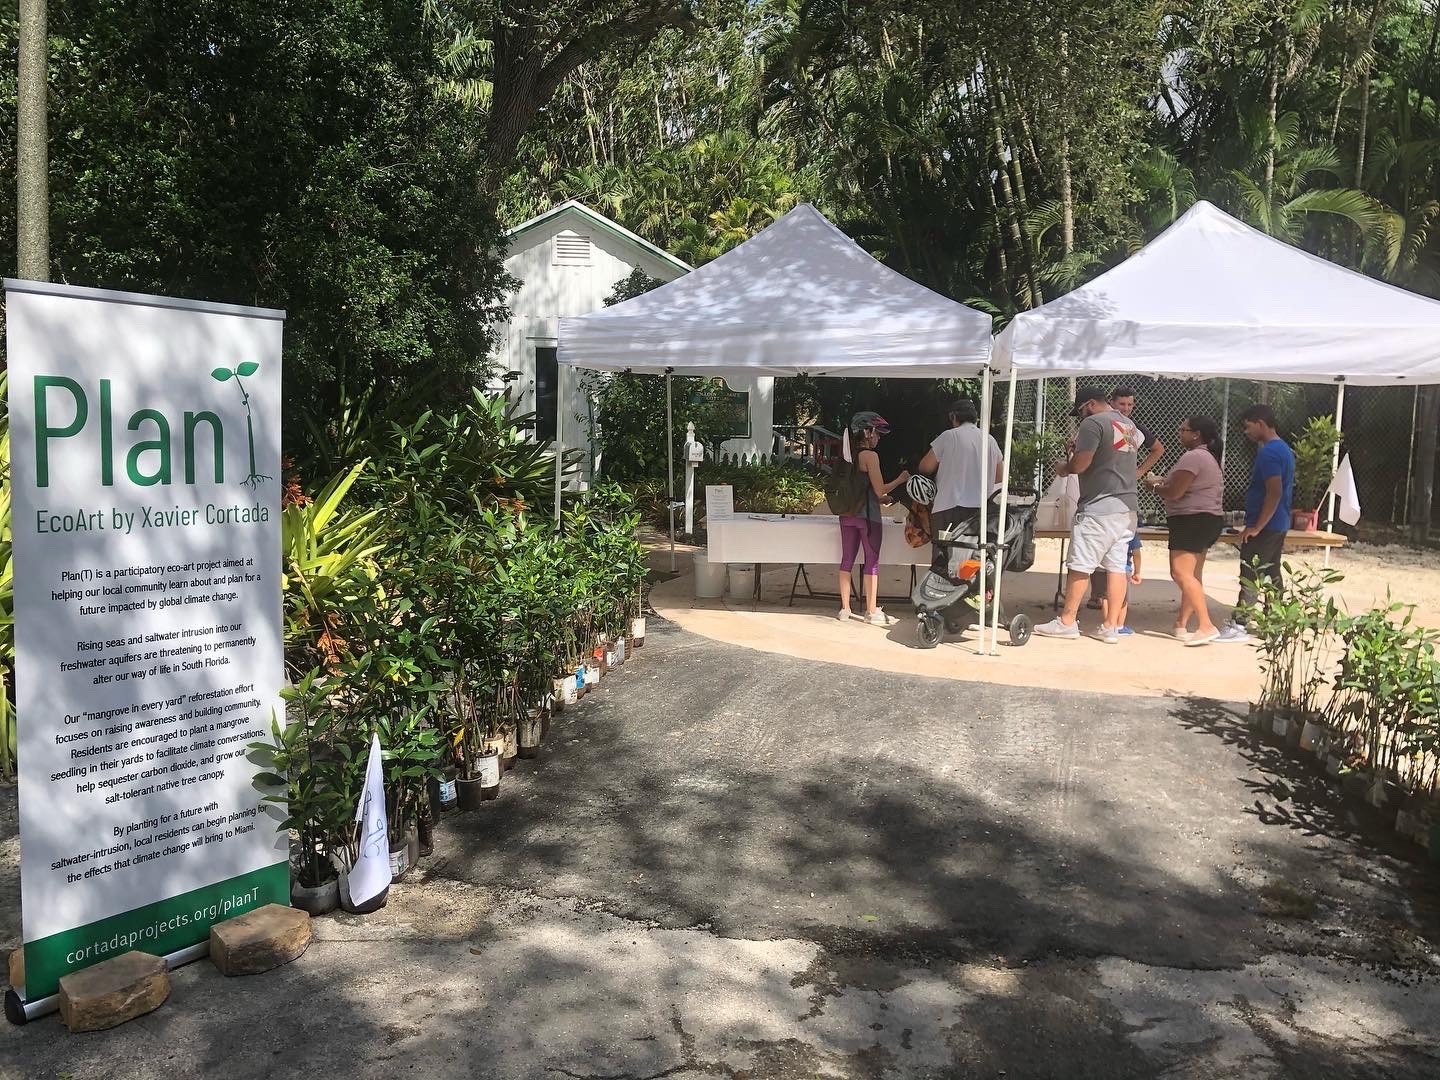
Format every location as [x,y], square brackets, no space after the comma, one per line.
[469,796]
[317,900]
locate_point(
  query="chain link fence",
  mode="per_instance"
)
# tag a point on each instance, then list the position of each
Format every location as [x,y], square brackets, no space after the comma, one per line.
[1379,425]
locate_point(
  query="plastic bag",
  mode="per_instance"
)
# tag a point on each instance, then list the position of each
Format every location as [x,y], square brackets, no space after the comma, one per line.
[1056,509]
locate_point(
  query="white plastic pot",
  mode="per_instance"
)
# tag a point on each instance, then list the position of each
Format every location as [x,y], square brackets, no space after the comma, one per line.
[567,690]
[742,581]
[637,631]
[489,770]
[709,578]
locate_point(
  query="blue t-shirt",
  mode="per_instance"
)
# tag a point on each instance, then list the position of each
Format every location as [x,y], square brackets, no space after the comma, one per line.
[1274,458]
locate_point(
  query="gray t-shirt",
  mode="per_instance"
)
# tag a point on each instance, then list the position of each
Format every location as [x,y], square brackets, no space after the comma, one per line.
[1108,485]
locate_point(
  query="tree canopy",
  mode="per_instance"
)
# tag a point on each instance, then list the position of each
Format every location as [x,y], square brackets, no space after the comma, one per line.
[356,163]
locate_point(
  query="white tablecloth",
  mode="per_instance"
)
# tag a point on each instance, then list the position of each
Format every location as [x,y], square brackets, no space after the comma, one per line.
[803,538]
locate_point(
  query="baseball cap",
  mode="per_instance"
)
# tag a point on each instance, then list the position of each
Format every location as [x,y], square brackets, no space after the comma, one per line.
[1085,396]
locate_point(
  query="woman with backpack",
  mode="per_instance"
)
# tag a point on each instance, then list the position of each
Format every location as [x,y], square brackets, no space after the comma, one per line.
[860,527]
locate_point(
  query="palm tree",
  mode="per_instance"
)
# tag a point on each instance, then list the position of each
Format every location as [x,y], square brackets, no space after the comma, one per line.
[1285,207]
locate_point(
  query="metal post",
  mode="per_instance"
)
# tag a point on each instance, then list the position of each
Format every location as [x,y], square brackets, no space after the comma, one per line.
[985,391]
[689,481]
[1040,434]
[1410,466]
[1004,508]
[32,161]
[670,462]
[559,446]
[1335,459]
[1224,437]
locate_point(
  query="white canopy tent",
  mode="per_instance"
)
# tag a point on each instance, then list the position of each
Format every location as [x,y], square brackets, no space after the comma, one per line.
[799,297]
[1212,297]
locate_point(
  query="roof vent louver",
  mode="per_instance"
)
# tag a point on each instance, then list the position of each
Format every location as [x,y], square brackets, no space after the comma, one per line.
[572,249]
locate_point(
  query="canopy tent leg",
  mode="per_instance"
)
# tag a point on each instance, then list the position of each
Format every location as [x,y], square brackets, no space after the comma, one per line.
[1410,465]
[1335,461]
[559,446]
[1039,434]
[670,461]
[1004,508]
[1224,437]
[985,392]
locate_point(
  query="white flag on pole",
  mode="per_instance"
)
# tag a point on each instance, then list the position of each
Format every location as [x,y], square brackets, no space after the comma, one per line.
[1343,485]
[370,876]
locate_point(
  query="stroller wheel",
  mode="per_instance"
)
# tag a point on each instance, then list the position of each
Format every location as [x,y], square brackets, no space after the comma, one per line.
[931,630]
[1020,629]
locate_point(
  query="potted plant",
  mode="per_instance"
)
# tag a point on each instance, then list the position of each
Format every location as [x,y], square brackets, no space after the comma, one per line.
[470,733]
[1314,462]
[1275,620]
[411,749]
[304,777]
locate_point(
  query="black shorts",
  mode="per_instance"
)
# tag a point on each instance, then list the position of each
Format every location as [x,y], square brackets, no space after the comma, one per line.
[1194,532]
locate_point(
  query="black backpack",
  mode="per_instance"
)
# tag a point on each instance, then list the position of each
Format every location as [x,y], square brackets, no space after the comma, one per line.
[847,489]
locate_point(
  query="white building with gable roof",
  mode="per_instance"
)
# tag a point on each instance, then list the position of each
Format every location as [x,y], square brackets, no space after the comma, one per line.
[568,260]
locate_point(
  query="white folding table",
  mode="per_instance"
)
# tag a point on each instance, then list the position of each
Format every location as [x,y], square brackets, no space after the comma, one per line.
[802,539]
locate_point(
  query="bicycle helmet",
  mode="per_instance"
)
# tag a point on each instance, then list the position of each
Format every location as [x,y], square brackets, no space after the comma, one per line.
[921,490]
[869,421]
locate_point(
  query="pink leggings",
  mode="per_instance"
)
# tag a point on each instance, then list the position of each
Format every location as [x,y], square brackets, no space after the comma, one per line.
[855,531]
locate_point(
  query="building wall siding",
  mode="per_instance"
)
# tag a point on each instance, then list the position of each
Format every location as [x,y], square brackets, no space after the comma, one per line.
[549,292]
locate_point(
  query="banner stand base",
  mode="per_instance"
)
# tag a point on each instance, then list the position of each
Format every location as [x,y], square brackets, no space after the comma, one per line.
[15,1010]
[20,1012]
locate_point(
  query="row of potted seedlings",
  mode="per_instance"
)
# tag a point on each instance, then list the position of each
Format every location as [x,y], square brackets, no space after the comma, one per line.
[456,651]
[432,764]
[1358,694]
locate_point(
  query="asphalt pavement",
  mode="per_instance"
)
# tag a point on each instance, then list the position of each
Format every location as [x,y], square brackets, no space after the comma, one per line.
[730,863]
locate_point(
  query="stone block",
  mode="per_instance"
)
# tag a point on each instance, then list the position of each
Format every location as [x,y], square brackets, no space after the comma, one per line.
[17,967]
[259,940]
[113,991]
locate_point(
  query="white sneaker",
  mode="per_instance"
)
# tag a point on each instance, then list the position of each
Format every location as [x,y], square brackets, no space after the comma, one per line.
[1056,628]
[879,618]
[1182,634]
[1232,634]
[845,615]
[1110,635]
[1197,639]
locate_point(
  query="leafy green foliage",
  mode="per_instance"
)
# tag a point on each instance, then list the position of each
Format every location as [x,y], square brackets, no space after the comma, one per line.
[293,154]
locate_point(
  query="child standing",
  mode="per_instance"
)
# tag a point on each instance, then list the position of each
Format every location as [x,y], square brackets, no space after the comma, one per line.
[1132,568]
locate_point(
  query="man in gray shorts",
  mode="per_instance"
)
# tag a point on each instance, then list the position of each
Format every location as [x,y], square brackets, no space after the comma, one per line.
[1104,460]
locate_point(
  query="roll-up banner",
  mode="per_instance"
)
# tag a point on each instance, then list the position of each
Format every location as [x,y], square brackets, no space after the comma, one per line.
[145,462]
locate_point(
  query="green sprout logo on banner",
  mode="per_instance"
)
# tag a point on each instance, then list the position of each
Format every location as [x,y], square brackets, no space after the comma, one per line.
[222,374]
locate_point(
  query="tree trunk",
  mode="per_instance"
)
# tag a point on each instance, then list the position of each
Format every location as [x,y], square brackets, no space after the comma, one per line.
[1344,83]
[1365,95]
[589,118]
[1422,491]
[528,70]
[32,155]
[1424,79]
[1067,197]
[1272,100]
[1021,206]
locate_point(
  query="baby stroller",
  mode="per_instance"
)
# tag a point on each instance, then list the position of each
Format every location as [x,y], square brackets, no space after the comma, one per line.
[951,602]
